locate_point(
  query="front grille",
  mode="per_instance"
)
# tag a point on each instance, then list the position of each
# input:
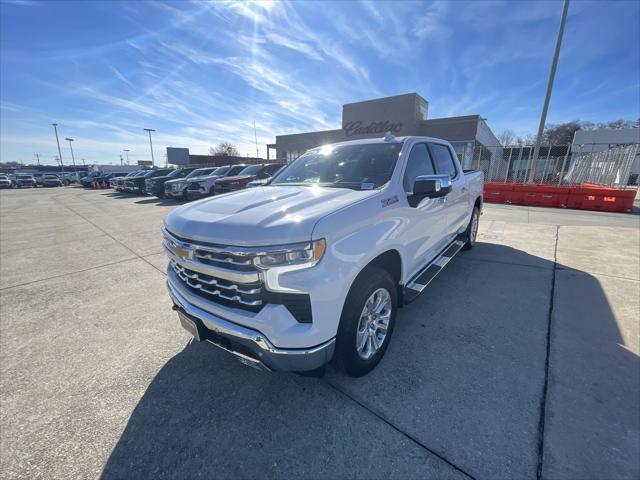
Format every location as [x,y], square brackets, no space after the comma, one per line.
[248,293]
[223,188]
[226,260]
[193,186]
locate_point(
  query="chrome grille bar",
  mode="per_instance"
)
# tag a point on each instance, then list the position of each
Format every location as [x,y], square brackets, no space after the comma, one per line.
[196,280]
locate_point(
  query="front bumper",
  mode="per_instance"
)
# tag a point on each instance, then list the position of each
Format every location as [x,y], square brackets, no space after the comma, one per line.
[196,194]
[250,346]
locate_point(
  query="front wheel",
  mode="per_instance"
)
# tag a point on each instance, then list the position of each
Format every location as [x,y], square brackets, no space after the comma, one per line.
[472,229]
[367,322]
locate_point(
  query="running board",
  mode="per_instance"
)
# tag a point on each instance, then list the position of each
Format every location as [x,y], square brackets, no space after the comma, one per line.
[416,286]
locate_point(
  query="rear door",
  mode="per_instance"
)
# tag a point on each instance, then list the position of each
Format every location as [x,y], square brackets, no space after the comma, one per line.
[458,200]
[427,224]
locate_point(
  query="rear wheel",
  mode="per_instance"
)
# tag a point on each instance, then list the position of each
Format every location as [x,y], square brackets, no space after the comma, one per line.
[472,229]
[367,322]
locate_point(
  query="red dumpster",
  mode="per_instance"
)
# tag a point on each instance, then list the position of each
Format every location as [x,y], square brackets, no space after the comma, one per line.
[605,199]
[541,195]
[497,192]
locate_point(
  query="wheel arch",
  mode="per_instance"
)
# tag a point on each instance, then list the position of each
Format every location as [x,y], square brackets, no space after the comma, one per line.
[390,261]
[478,203]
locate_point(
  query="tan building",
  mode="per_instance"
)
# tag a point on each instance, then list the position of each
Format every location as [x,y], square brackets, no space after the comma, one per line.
[401,115]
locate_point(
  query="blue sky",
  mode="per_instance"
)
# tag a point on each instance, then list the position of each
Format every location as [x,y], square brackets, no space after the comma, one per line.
[201,73]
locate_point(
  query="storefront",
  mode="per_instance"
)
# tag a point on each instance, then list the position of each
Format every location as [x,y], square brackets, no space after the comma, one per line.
[401,115]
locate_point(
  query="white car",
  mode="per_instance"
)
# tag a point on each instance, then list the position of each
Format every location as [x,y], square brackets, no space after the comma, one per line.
[177,188]
[314,266]
[5,182]
[204,186]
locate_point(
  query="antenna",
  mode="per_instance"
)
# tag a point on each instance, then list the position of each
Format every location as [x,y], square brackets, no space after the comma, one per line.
[256,137]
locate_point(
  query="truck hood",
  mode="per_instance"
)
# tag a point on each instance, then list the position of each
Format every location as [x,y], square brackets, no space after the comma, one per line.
[260,216]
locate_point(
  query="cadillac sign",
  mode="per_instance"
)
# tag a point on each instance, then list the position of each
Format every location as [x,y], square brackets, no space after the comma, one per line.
[357,128]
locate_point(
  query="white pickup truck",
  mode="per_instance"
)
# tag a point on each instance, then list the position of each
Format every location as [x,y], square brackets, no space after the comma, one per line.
[313,266]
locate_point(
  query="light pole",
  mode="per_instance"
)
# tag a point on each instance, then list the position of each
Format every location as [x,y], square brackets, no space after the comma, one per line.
[38,158]
[153,163]
[126,152]
[55,128]
[75,172]
[121,161]
[547,98]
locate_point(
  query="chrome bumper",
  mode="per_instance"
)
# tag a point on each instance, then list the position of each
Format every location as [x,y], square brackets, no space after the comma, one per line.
[250,346]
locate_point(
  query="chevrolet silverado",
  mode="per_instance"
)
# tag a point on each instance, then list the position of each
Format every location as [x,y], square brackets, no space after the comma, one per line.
[313,266]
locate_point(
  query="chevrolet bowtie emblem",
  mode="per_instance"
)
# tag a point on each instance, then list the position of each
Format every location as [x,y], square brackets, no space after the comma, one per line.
[183,253]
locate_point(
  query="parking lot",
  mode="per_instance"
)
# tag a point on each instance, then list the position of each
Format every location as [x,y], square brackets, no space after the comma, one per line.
[519,361]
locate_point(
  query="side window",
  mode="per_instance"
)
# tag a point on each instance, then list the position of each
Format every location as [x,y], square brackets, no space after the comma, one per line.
[444,162]
[419,163]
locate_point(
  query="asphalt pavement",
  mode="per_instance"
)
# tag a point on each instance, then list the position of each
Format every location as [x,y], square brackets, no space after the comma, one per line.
[521,360]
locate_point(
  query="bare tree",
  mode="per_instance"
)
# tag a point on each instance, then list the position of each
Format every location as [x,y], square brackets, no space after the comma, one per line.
[561,134]
[507,137]
[224,148]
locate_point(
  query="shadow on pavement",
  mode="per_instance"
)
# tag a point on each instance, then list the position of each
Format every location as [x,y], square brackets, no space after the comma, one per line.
[464,375]
[145,200]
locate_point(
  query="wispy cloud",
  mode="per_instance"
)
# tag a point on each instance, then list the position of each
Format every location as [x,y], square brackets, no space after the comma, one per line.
[203,72]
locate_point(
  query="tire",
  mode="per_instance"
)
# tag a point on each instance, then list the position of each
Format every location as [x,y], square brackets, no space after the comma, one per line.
[212,191]
[471,233]
[355,326]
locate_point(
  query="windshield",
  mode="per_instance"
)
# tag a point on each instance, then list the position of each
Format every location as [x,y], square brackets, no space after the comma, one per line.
[51,177]
[25,177]
[200,172]
[221,171]
[359,166]
[175,173]
[251,170]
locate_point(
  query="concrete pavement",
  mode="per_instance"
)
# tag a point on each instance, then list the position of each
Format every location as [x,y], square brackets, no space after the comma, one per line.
[519,361]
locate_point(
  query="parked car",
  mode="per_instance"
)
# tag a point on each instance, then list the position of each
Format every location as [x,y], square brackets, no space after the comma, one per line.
[103,180]
[122,182]
[117,183]
[24,180]
[51,180]
[5,182]
[249,174]
[38,178]
[155,185]
[88,180]
[177,188]
[263,181]
[136,184]
[314,266]
[200,187]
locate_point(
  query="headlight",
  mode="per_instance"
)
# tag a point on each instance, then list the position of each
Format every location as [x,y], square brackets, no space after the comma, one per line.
[305,254]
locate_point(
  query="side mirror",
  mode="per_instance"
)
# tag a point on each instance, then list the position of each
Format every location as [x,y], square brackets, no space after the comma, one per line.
[429,186]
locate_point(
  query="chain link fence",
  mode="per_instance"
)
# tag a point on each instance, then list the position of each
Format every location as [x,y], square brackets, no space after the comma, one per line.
[611,166]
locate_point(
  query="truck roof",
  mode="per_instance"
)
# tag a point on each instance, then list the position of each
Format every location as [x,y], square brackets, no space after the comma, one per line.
[364,141]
